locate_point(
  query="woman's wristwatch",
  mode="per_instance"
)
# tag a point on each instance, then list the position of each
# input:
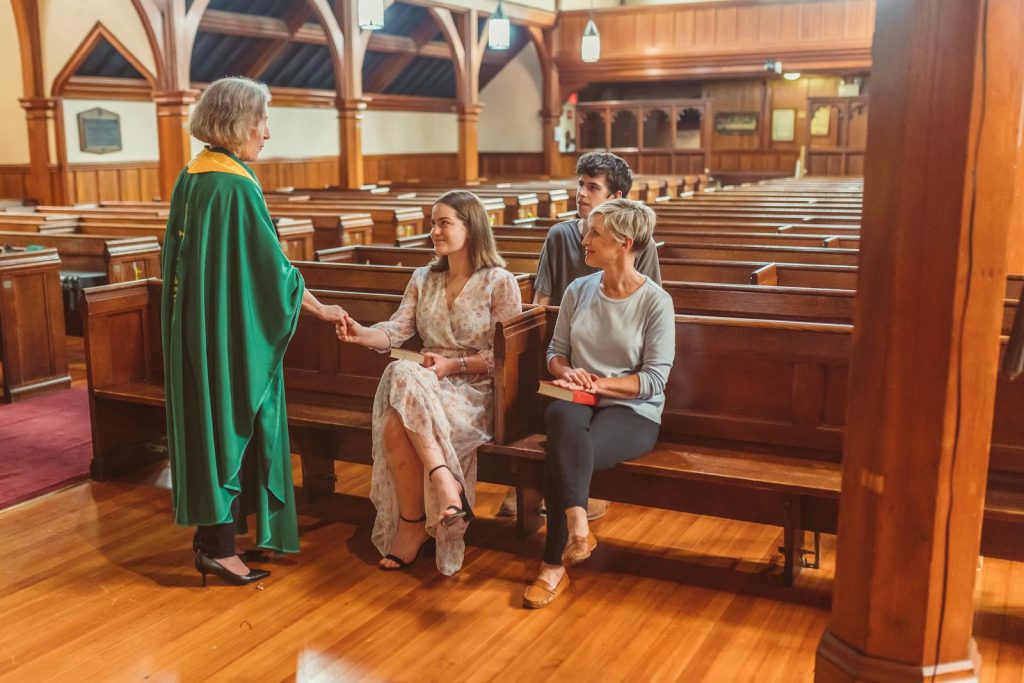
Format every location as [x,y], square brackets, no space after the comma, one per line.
[462,365]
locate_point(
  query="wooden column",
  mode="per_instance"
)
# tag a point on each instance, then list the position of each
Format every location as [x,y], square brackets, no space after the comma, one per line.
[552,155]
[551,106]
[469,95]
[39,109]
[172,133]
[39,112]
[943,152]
[350,117]
[469,148]
[350,102]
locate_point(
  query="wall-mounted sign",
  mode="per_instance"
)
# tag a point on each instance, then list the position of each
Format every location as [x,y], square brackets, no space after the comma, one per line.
[736,123]
[99,131]
[783,125]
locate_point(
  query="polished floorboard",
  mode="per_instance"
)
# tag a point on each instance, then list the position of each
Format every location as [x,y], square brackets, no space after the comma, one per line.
[96,584]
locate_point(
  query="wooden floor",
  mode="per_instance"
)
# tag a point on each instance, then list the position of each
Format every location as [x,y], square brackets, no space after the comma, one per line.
[96,584]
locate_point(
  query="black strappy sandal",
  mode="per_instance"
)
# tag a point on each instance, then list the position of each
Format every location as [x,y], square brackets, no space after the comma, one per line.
[464,512]
[426,548]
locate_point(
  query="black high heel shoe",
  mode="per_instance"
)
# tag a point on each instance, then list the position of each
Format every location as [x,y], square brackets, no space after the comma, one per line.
[426,548]
[246,556]
[207,565]
[464,512]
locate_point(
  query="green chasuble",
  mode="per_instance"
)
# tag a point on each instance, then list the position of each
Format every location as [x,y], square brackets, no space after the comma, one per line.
[231,301]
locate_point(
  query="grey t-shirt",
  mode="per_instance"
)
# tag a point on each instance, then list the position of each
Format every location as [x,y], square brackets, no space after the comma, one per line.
[619,337]
[563,259]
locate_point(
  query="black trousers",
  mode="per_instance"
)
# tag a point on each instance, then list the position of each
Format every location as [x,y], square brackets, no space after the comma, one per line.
[582,440]
[218,540]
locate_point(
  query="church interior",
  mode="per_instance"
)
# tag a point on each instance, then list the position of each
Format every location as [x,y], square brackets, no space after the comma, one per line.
[837,489]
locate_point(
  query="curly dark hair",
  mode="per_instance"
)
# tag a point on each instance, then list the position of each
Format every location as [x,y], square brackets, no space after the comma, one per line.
[615,169]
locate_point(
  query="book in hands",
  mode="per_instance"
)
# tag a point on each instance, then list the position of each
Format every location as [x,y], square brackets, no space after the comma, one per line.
[405,354]
[554,391]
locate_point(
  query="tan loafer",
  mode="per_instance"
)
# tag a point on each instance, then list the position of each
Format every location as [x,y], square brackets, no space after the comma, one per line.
[578,549]
[540,593]
[596,508]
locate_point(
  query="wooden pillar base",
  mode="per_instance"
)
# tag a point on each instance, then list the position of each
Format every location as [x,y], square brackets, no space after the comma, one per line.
[350,118]
[837,662]
[39,111]
[172,111]
[552,156]
[469,149]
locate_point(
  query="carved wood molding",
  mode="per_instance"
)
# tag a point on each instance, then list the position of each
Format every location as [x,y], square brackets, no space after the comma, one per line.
[99,88]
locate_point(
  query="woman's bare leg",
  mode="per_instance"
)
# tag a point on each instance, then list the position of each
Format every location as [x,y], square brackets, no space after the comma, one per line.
[431,456]
[407,473]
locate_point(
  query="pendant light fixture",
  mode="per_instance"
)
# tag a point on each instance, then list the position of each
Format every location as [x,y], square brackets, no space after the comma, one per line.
[499,29]
[590,47]
[371,14]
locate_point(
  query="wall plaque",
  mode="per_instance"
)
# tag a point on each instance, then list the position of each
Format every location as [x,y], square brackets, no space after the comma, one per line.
[99,131]
[736,123]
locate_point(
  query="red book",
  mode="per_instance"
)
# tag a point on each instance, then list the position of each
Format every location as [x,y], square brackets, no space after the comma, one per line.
[554,391]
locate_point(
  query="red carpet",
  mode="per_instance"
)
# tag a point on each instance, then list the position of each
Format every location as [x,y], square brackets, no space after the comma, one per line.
[45,443]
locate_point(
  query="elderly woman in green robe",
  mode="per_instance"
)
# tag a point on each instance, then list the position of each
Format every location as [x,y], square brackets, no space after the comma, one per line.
[230,306]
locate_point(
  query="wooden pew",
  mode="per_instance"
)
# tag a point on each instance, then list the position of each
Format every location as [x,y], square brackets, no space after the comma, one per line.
[122,259]
[330,386]
[400,256]
[37,223]
[752,430]
[357,277]
[296,235]
[32,347]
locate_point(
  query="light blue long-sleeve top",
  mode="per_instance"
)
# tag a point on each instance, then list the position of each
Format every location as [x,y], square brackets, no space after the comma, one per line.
[619,337]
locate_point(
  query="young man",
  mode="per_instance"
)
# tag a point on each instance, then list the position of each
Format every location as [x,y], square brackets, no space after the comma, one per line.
[602,176]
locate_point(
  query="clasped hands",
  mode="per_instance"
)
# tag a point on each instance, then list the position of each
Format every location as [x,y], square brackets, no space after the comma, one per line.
[350,331]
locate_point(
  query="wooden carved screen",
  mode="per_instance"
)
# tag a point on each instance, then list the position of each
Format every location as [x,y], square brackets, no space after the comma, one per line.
[836,134]
[662,136]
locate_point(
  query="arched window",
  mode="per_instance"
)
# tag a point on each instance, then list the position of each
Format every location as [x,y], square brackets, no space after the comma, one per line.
[592,130]
[688,125]
[657,129]
[624,129]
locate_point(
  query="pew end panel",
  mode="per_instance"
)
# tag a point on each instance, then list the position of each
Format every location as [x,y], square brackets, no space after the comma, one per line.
[125,374]
[32,346]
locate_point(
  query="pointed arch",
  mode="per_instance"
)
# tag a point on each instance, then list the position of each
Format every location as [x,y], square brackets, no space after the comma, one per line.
[92,39]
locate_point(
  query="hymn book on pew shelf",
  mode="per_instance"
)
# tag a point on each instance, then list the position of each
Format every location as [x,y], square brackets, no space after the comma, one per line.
[551,389]
[405,354]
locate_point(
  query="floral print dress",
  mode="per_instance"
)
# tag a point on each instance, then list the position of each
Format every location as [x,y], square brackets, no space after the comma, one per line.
[457,412]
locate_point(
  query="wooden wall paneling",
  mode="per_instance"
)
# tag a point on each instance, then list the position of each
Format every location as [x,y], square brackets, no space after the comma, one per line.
[929,310]
[729,38]
[13,181]
[404,167]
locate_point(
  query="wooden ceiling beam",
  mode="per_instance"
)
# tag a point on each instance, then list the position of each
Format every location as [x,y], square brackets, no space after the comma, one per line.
[294,19]
[381,76]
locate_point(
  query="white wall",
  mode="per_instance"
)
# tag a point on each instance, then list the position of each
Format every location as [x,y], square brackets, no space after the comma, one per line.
[300,133]
[410,132]
[65,23]
[138,131]
[510,120]
[14,130]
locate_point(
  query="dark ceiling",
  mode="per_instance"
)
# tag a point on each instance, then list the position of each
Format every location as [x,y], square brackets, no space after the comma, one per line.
[396,67]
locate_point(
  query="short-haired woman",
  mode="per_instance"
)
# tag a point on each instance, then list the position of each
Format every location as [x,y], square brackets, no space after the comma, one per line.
[429,419]
[231,302]
[615,337]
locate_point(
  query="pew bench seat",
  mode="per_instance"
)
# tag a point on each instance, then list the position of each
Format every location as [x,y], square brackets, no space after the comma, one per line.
[791,492]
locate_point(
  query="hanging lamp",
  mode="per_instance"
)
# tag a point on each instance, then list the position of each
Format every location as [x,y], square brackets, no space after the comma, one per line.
[499,29]
[590,47]
[371,14]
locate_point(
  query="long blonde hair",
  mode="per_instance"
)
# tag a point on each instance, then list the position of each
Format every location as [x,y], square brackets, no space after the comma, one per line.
[483,252]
